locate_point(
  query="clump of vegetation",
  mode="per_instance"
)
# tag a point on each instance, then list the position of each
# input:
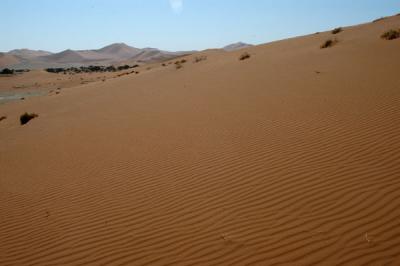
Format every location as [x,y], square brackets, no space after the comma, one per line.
[329,43]
[163,64]
[124,67]
[178,65]
[25,118]
[337,30]
[244,56]
[89,69]
[200,58]
[391,35]
[3,117]
[7,71]
[180,62]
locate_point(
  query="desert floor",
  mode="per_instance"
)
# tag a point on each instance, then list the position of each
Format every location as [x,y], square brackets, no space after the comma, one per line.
[291,157]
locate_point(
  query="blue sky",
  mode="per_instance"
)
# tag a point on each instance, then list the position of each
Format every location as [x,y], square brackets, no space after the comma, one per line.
[174,24]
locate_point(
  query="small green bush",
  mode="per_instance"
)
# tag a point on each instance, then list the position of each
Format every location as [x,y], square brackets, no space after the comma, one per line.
[25,118]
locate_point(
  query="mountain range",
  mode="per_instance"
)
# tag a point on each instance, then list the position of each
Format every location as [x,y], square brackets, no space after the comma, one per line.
[113,54]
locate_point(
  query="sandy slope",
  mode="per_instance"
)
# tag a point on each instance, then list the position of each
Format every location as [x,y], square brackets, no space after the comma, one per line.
[222,162]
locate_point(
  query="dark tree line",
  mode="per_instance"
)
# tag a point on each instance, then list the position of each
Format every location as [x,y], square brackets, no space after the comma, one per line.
[7,71]
[88,69]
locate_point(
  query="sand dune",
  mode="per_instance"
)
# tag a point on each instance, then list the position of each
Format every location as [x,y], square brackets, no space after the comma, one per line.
[19,57]
[236,46]
[28,54]
[291,157]
[8,59]
[117,53]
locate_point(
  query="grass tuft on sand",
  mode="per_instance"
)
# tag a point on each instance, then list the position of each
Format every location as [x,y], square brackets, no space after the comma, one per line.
[244,56]
[329,43]
[337,30]
[199,58]
[391,35]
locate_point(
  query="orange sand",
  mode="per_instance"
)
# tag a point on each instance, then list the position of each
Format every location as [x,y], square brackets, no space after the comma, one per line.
[222,162]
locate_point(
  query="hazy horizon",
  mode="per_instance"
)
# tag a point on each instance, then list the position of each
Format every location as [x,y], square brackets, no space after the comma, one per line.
[174,25]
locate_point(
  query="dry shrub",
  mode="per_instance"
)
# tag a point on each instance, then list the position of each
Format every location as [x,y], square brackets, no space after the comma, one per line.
[337,30]
[200,58]
[25,118]
[244,56]
[329,43]
[391,35]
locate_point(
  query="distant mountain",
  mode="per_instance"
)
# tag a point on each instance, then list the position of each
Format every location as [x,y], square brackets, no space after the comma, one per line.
[67,56]
[236,46]
[116,53]
[19,57]
[28,54]
[8,59]
[119,50]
